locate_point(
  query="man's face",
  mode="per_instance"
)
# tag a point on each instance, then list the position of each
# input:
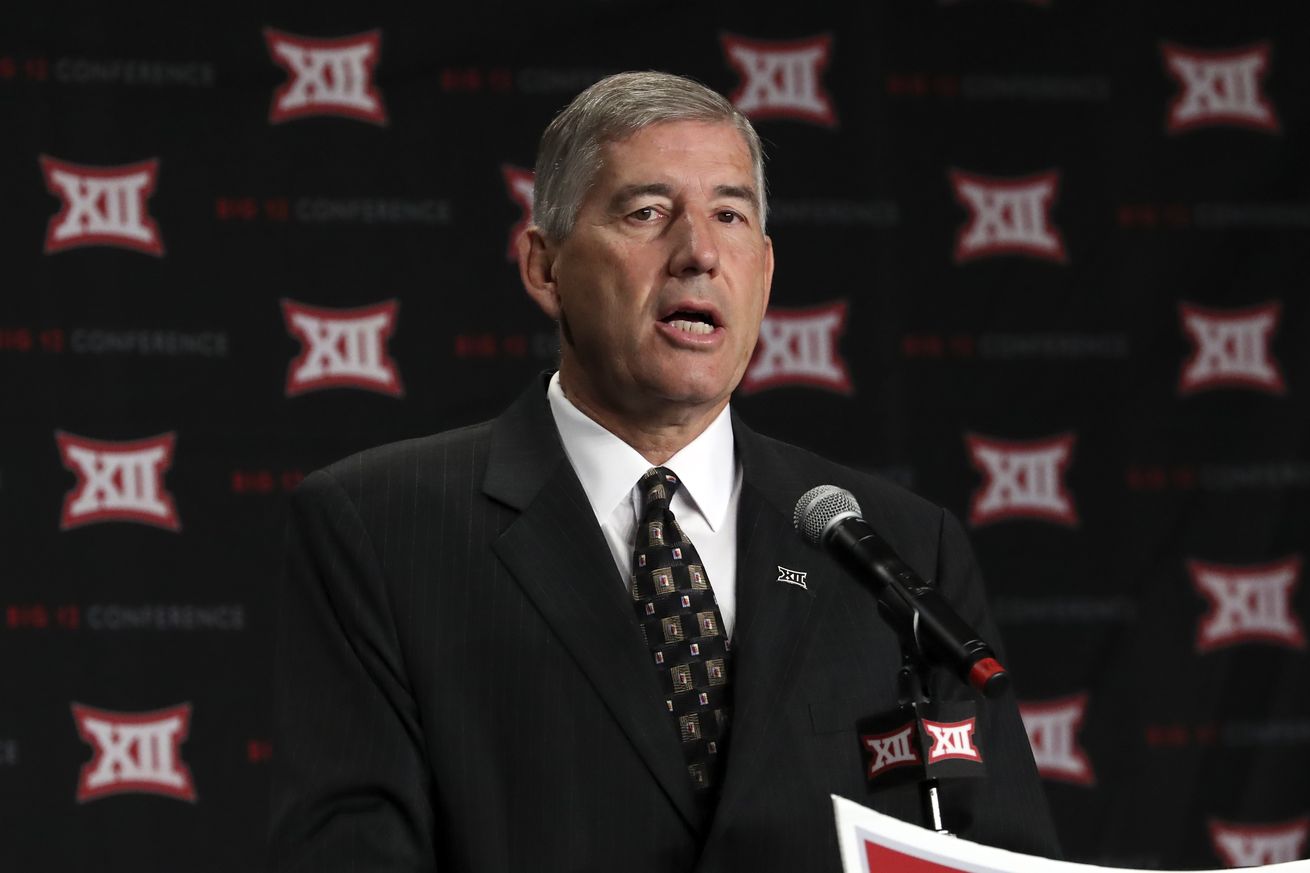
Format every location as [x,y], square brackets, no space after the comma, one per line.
[662,284]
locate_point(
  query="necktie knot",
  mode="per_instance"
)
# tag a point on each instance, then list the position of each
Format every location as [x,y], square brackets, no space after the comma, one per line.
[658,486]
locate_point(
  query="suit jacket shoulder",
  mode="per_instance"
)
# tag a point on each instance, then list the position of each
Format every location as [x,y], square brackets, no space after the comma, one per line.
[921,532]
[463,448]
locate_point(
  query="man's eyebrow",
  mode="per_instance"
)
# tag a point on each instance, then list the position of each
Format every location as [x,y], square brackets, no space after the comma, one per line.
[629,192]
[739,192]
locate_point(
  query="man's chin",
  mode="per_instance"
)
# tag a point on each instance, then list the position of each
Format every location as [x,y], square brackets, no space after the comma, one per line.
[690,390]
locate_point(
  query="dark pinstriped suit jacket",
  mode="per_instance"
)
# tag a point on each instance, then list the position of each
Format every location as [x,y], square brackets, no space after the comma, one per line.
[462,684]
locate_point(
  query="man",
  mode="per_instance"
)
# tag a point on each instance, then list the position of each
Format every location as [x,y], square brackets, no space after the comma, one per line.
[559,640]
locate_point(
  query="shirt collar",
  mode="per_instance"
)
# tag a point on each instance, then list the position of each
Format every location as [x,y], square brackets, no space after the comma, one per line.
[609,468]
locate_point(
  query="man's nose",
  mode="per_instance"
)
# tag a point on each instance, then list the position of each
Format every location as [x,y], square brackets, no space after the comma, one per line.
[695,246]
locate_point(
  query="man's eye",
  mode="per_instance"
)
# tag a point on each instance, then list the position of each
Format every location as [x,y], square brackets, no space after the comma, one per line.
[645,213]
[727,216]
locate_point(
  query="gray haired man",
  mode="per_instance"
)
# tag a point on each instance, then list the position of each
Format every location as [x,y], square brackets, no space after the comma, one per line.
[563,639]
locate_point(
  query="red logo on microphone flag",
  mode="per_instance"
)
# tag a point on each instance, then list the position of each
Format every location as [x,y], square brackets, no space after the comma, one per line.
[894,748]
[952,740]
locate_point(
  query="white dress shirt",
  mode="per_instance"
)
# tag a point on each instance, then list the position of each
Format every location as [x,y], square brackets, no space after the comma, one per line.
[705,503]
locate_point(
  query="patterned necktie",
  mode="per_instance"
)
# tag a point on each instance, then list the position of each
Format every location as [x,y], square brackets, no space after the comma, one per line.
[682,625]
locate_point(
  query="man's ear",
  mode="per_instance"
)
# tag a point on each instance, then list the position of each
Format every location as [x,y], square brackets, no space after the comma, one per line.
[537,270]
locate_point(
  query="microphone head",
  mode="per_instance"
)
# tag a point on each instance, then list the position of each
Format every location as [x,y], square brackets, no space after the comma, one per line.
[820,508]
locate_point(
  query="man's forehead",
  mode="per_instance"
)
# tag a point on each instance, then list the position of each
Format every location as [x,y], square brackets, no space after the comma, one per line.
[673,152]
[677,138]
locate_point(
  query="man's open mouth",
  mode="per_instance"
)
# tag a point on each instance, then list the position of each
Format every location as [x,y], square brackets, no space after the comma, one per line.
[691,321]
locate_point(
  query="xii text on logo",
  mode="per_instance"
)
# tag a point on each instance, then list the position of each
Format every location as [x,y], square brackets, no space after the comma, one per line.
[135,752]
[332,77]
[118,481]
[342,348]
[102,206]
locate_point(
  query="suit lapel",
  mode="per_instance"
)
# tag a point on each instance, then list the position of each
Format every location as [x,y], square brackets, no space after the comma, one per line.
[776,618]
[557,554]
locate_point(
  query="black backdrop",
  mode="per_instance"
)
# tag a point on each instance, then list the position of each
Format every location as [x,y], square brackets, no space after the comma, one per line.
[1042,262]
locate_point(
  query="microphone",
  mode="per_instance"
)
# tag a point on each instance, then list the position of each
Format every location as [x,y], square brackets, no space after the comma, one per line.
[830,517]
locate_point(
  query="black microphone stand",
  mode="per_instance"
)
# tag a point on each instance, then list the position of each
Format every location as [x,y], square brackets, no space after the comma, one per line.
[912,695]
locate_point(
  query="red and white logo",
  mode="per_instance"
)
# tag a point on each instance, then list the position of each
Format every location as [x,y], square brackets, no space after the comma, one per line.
[1007,216]
[1024,479]
[135,752]
[799,347]
[518,183]
[118,481]
[327,76]
[102,206]
[781,79]
[1232,349]
[342,348]
[1219,88]
[1248,604]
[1052,727]
[896,748]
[1242,845]
[952,740]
